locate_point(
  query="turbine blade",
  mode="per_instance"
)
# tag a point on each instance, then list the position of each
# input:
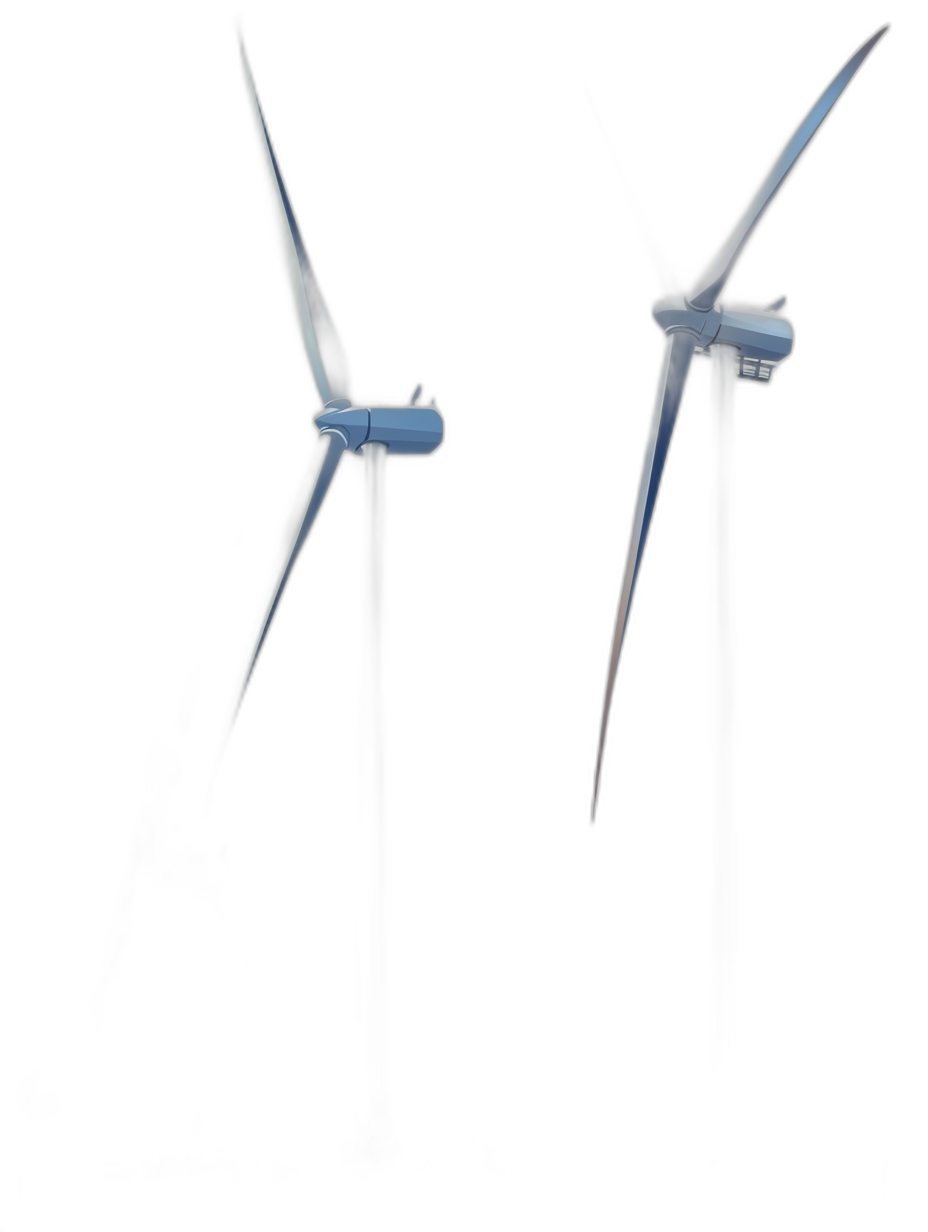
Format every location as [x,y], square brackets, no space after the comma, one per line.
[677,358]
[709,287]
[326,357]
[318,478]
[664,275]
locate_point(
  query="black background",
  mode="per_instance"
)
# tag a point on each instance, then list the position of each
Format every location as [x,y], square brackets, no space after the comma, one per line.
[470,229]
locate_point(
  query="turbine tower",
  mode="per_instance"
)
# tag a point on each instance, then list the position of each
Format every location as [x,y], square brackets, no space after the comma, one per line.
[696,323]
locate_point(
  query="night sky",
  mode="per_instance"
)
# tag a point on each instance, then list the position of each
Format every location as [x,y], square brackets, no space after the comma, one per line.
[471,231]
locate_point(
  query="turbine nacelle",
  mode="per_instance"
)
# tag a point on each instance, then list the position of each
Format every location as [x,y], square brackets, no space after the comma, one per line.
[755,332]
[402,429]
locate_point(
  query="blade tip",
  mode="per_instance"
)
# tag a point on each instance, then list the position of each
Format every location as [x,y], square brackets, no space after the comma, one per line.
[874,39]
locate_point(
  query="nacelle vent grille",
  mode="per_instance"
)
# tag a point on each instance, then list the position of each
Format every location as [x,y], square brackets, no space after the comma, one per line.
[754,369]
[744,367]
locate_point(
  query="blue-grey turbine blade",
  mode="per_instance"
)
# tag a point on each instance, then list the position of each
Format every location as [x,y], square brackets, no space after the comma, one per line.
[709,287]
[326,357]
[337,446]
[677,358]
[666,277]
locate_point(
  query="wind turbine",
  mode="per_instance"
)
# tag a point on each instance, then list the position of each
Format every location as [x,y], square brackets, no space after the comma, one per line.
[371,431]
[746,343]
[695,323]
[375,429]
